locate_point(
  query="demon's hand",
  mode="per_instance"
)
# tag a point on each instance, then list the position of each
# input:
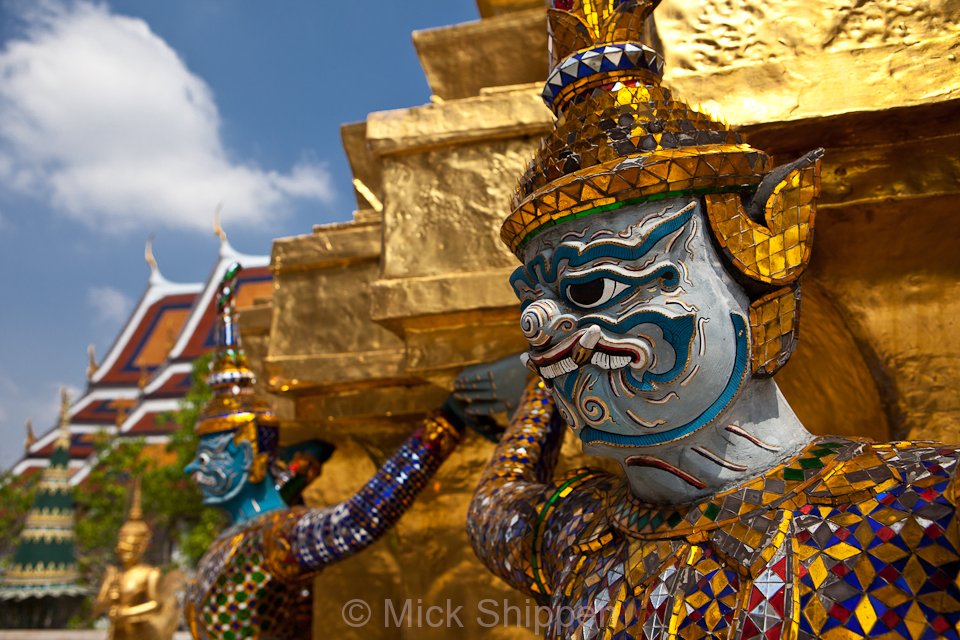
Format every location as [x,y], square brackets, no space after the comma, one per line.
[486,391]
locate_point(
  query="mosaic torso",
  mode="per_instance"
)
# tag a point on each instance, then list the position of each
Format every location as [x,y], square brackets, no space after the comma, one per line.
[254,581]
[845,540]
[235,592]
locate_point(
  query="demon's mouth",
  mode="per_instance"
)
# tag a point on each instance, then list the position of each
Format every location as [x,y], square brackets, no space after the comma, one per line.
[204,480]
[589,346]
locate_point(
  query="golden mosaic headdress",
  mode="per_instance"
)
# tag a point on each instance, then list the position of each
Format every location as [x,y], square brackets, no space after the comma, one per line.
[621,138]
[235,406]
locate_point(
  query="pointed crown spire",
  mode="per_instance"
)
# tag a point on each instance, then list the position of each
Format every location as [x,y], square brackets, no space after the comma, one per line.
[136,502]
[235,405]
[135,526]
[575,25]
[620,137]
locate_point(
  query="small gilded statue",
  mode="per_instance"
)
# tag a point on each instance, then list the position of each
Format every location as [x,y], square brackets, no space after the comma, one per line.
[255,580]
[140,602]
[660,293]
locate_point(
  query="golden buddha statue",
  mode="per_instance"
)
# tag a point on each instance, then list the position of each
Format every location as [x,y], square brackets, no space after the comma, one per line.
[138,599]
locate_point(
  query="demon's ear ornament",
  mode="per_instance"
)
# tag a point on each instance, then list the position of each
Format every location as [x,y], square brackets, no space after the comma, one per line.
[258,468]
[769,242]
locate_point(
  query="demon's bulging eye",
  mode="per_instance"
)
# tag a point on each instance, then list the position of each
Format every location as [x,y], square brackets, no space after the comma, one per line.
[594,293]
[669,278]
[204,458]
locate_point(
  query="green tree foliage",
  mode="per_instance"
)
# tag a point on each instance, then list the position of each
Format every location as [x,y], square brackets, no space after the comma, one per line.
[102,503]
[16,496]
[171,501]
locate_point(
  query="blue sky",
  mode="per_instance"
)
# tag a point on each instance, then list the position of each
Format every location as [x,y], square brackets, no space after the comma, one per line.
[125,119]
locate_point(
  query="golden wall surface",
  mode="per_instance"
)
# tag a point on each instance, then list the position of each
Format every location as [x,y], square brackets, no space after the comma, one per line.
[371,320]
[340,377]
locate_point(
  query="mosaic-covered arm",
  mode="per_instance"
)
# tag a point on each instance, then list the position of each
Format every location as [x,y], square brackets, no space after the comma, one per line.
[307,540]
[520,521]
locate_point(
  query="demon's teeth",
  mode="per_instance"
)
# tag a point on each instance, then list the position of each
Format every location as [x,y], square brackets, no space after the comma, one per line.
[601,359]
[200,478]
[609,361]
[558,368]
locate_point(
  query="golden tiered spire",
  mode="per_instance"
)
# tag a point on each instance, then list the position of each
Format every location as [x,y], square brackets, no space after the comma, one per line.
[63,436]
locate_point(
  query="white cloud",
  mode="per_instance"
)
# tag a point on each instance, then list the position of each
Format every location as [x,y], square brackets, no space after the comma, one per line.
[101,116]
[110,305]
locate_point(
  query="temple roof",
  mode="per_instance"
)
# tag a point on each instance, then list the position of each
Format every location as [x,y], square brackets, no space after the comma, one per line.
[145,340]
[146,372]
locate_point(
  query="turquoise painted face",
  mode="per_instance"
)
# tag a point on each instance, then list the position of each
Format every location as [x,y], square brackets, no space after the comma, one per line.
[221,467]
[634,323]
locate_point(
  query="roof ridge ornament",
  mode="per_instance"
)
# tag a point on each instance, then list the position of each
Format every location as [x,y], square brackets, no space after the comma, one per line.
[156,278]
[226,250]
[92,366]
[31,437]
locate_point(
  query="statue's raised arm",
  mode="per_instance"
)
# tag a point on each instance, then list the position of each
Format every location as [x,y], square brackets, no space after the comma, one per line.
[518,504]
[304,541]
[253,582]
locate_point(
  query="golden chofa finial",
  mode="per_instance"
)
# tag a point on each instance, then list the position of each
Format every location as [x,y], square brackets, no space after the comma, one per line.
[155,276]
[63,438]
[217,227]
[31,437]
[148,255]
[92,365]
